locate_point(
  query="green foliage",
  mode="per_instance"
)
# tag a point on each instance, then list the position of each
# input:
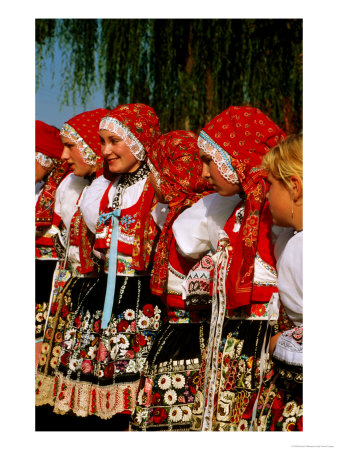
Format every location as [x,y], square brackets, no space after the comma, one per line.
[189,70]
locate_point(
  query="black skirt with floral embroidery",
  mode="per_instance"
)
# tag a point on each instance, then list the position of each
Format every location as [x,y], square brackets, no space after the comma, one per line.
[237,375]
[168,384]
[98,371]
[75,293]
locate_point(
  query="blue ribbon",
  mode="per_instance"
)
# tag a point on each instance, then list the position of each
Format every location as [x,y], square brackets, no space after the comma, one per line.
[104,217]
[112,264]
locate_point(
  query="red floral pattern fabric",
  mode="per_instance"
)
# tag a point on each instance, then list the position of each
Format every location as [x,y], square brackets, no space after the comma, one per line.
[44,208]
[141,120]
[246,134]
[176,159]
[87,124]
[83,130]
[146,231]
[83,238]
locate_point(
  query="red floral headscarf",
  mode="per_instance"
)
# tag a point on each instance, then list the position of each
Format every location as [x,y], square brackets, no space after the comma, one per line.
[83,130]
[175,160]
[137,124]
[242,135]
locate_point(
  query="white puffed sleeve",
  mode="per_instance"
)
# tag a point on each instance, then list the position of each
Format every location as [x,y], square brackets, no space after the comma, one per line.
[196,229]
[66,197]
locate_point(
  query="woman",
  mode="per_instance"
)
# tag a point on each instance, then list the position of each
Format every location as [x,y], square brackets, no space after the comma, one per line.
[235,226]
[280,406]
[107,340]
[50,170]
[77,275]
[167,386]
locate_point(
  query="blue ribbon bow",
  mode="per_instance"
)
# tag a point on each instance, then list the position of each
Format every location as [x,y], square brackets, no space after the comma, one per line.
[104,217]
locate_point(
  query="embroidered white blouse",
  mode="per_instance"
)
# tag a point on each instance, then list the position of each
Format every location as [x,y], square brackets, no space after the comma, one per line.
[197,231]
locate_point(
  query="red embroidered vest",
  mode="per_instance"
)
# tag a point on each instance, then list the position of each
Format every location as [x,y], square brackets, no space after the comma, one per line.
[127,229]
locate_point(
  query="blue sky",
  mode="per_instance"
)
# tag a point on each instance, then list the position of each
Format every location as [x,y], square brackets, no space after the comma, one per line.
[48,107]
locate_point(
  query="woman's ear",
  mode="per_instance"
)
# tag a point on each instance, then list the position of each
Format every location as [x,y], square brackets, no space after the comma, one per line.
[297,187]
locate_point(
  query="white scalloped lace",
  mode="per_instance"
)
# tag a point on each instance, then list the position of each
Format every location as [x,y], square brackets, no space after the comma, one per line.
[88,155]
[219,156]
[114,126]
[154,172]
[44,160]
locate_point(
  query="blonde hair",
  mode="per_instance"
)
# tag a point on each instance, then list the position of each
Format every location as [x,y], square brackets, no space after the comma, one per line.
[286,159]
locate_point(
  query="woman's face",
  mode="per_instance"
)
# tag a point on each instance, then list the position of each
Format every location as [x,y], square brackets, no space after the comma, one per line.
[213,176]
[117,153]
[73,156]
[280,202]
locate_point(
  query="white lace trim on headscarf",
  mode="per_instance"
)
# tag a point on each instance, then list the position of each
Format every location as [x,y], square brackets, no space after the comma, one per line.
[88,155]
[114,126]
[219,156]
[155,173]
[44,160]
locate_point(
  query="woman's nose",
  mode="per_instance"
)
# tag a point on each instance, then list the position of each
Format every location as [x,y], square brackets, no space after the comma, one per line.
[65,153]
[205,171]
[105,149]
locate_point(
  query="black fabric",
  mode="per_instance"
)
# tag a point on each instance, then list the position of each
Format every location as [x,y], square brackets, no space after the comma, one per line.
[178,341]
[44,270]
[88,293]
